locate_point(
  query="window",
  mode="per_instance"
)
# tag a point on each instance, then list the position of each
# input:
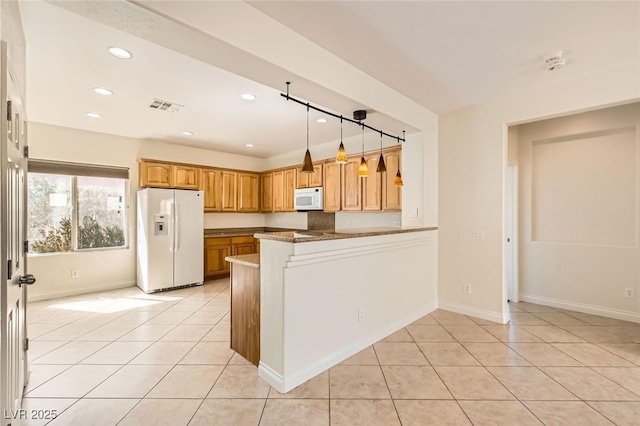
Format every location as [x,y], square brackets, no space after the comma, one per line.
[99,219]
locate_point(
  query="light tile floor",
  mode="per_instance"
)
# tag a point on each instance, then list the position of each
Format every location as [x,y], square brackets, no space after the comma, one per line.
[127,358]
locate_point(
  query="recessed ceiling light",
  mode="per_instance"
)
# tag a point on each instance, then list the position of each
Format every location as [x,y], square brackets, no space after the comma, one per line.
[187,133]
[119,52]
[249,145]
[321,120]
[94,115]
[248,97]
[102,91]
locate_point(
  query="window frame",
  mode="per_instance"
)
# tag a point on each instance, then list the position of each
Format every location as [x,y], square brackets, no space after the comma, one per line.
[75,208]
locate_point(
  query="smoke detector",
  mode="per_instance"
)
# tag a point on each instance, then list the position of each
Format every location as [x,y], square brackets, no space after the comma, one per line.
[554,61]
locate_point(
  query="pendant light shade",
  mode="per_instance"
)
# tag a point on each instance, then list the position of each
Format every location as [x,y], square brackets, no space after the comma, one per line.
[398,179]
[341,156]
[363,170]
[381,166]
[307,164]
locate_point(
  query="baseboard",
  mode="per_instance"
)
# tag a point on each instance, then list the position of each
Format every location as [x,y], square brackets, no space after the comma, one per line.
[284,384]
[500,318]
[581,307]
[65,292]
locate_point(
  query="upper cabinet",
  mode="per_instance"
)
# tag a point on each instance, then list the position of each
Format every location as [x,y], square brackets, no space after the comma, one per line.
[266,192]
[229,191]
[211,186]
[391,194]
[155,175]
[331,184]
[248,192]
[284,183]
[278,191]
[309,180]
[186,177]
[289,187]
[372,185]
[351,190]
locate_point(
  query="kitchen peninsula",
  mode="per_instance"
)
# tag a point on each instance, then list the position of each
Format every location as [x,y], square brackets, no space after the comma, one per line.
[326,295]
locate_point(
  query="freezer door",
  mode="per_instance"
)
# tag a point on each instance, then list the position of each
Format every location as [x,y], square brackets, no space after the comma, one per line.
[155,239]
[189,237]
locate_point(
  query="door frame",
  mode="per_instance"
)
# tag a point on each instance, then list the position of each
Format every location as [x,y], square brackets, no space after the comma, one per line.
[511,232]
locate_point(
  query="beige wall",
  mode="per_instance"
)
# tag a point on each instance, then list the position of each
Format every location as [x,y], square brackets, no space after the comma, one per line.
[578,212]
[472,153]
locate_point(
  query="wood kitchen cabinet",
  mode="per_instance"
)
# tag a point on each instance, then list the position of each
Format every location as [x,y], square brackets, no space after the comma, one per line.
[248,192]
[289,187]
[245,311]
[229,199]
[391,194]
[278,191]
[331,184]
[351,186]
[185,177]
[243,245]
[309,180]
[215,252]
[155,175]
[372,185]
[211,187]
[266,192]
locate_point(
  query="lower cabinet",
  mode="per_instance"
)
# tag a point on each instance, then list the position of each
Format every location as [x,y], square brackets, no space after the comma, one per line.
[218,248]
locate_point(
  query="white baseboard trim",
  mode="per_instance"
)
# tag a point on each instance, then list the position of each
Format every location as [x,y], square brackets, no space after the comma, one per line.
[65,292]
[500,318]
[581,307]
[284,384]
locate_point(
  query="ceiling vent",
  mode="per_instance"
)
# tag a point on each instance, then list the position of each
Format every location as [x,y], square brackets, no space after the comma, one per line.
[165,105]
[554,61]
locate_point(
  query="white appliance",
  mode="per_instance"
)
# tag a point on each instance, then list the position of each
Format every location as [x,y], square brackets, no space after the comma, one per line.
[306,199]
[170,238]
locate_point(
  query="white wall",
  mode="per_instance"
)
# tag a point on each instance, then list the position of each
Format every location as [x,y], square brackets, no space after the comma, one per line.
[472,153]
[112,268]
[578,214]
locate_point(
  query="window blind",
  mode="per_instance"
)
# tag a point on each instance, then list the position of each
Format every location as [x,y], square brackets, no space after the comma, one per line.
[77,169]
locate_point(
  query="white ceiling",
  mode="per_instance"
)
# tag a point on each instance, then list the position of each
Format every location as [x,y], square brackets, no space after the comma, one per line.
[444,55]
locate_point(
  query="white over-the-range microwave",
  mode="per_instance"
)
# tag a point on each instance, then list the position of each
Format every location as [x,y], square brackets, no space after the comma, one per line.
[306,199]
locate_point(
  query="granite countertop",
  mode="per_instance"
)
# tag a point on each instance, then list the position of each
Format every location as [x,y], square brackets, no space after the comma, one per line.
[300,236]
[251,260]
[239,232]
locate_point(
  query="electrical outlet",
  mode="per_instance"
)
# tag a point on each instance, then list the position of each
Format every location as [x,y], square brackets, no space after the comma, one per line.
[478,234]
[75,273]
[360,314]
[630,293]
[467,288]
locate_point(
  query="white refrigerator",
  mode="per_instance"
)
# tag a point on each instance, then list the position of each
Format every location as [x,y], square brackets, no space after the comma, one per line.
[170,238]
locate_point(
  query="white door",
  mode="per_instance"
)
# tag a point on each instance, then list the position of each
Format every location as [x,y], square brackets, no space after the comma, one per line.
[189,244]
[511,228]
[13,173]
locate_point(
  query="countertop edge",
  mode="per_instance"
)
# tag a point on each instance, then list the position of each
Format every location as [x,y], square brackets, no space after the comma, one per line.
[337,236]
[250,260]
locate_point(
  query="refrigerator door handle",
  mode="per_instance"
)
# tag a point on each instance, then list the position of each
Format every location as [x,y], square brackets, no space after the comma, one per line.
[176,207]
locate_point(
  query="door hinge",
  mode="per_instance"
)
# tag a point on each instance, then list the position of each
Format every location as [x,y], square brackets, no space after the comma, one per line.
[8,110]
[26,344]
[9,269]
[25,153]
[25,247]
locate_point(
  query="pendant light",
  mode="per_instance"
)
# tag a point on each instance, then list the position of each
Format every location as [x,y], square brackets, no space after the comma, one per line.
[363,170]
[341,156]
[381,166]
[307,164]
[398,180]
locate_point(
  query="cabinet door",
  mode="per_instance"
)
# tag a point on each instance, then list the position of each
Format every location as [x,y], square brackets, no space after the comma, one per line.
[210,185]
[351,187]
[155,175]
[266,192]
[372,185]
[315,178]
[278,191]
[289,187]
[214,263]
[391,195]
[302,180]
[248,193]
[185,177]
[229,191]
[331,183]
[246,248]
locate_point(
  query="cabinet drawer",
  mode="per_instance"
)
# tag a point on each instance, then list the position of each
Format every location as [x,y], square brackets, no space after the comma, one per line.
[242,240]
[217,241]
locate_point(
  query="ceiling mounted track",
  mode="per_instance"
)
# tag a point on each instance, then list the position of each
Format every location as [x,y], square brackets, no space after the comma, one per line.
[357,122]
